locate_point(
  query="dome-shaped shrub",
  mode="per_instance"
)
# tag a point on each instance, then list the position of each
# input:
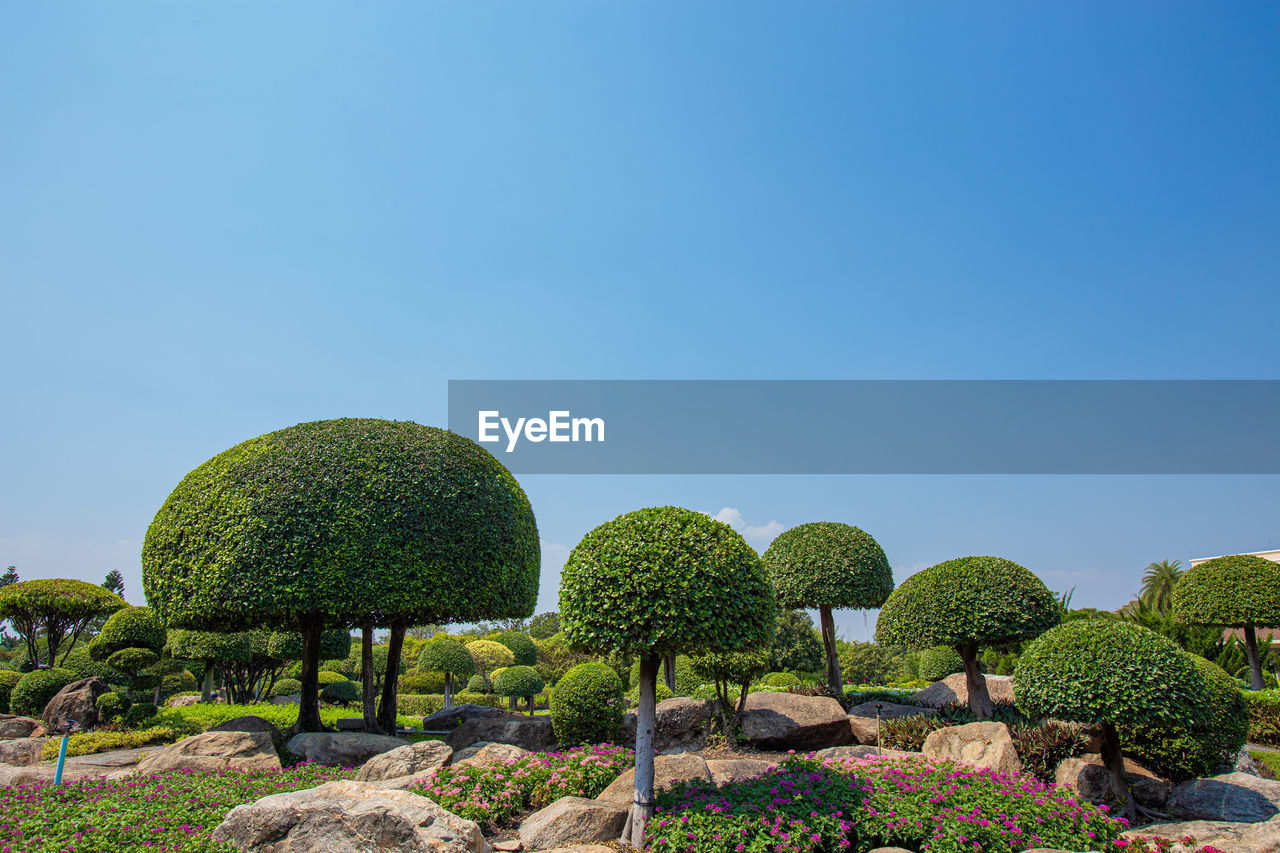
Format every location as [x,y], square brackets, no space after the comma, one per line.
[286,687]
[780,679]
[110,705]
[968,603]
[139,714]
[489,655]
[939,662]
[327,678]
[479,684]
[340,693]
[132,627]
[1238,591]
[8,680]
[131,660]
[586,706]
[34,690]
[444,654]
[523,650]
[416,682]
[517,681]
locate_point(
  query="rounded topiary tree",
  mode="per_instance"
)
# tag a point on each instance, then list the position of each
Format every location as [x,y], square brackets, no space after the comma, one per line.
[1116,674]
[54,610]
[489,655]
[780,679]
[518,682]
[214,649]
[1197,745]
[586,705]
[34,690]
[350,521]
[939,662]
[826,565]
[130,641]
[523,650]
[657,582]
[1239,591]
[729,670]
[479,684]
[444,654]
[966,604]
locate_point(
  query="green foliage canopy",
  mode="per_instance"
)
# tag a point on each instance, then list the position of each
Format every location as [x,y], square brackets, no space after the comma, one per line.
[586,706]
[521,645]
[939,662]
[489,655]
[129,628]
[795,646]
[828,564]
[1232,591]
[517,680]
[58,606]
[442,653]
[335,644]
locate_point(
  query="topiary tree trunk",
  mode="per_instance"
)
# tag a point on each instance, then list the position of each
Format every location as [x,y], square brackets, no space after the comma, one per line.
[975,682]
[835,680]
[669,671]
[310,626]
[448,690]
[368,685]
[387,713]
[1255,662]
[1113,760]
[206,684]
[646,722]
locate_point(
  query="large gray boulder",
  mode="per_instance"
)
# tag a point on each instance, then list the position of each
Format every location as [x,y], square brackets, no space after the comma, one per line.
[22,752]
[1092,781]
[341,749]
[1229,836]
[348,817]
[680,725]
[572,820]
[783,721]
[215,751]
[416,759]
[248,723]
[457,715]
[986,745]
[74,703]
[862,718]
[667,770]
[952,689]
[532,733]
[1237,797]
[738,769]
[16,727]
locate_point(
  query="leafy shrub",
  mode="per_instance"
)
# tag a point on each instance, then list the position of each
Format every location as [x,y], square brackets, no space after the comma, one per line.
[1235,591]
[586,706]
[139,712]
[340,693]
[879,694]
[286,687]
[335,644]
[1043,748]
[909,733]
[828,564]
[110,705]
[523,650]
[1264,716]
[489,655]
[517,681]
[328,677]
[131,627]
[494,794]
[83,665]
[34,690]
[780,679]
[419,682]
[131,660]
[443,653]
[939,662]
[687,680]
[8,680]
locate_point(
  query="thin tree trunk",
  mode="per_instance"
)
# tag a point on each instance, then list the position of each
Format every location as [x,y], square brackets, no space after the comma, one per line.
[1255,662]
[531,701]
[368,685]
[387,713]
[448,690]
[975,683]
[835,680]
[512,702]
[309,703]
[1114,762]
[642,800]
[669,672]
[206,684]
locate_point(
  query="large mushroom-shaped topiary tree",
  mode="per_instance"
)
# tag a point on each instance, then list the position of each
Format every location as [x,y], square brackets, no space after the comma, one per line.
[827,565]
[1238,591]
[656,582]
[966,604]
[53,610]
[334,523]
[130,641]
[1116,674]
[443,653]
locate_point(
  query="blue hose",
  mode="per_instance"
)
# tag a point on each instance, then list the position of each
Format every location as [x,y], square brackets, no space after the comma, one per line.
[62,759]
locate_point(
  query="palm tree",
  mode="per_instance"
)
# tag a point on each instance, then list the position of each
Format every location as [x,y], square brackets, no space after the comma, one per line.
[1158,582]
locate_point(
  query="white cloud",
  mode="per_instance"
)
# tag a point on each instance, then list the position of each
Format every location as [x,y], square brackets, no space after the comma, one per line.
[758,535]
[729,516]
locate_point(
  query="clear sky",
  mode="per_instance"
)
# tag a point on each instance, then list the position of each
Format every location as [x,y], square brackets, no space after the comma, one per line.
[224,218]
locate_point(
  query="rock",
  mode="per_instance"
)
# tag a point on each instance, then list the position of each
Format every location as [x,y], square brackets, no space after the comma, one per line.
[782,721]
[215,751]
[1230,797]
[844,753]
[667,770]
[458,714]
[532,733]
[987,745]
[572,820]
[79,767]
[74,703]
[582,848]
[182,701]
[1243,763]
[680,725]
[862,718]
[291,699]
[341,749]
[1092,781]
[483,752]
[22,751]
[348,817]
[1236,837]
[951,689]
[738,769]
[510,845]
[248,723]
[412,760]
[350,724]
[19,727]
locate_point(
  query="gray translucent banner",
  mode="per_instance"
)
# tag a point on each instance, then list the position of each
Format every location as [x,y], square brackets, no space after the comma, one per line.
[873,427]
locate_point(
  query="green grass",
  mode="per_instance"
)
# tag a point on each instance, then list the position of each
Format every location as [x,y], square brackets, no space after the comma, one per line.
[1268,763]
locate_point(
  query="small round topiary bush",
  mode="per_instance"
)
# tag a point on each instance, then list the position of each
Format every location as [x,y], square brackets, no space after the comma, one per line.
[517,681]
[138,714]
[340,693]
[586,706]
[110,705]
[8,679]
[416,682]
[286,687]
[132,659]
[780,679]
[327,678]
[1237,591]
[489,655]
[939,662]
[132,627]
[479,684]
[522,647]
[444,654]
[34,690]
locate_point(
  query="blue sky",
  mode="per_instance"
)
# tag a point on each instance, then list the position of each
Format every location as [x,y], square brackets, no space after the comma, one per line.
[222,219]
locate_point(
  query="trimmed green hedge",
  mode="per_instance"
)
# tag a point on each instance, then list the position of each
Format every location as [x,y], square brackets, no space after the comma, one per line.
[8,680]
[587,706]
[1264,715]
[828,564]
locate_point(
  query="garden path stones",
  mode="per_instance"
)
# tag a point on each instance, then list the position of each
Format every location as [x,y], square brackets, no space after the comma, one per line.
[341,749]
[74,703]
[667,770]
[862,718]
[1231,836]
[483,752]
[108,764]
[738,769]
[951,689]
[215,751]
[1230,797]
[783,721]
[986,745]
[1091,780]
[248,723]
[532,733]
[348,817]
[572,820]
[680,725]
[416,759]
[19,727]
